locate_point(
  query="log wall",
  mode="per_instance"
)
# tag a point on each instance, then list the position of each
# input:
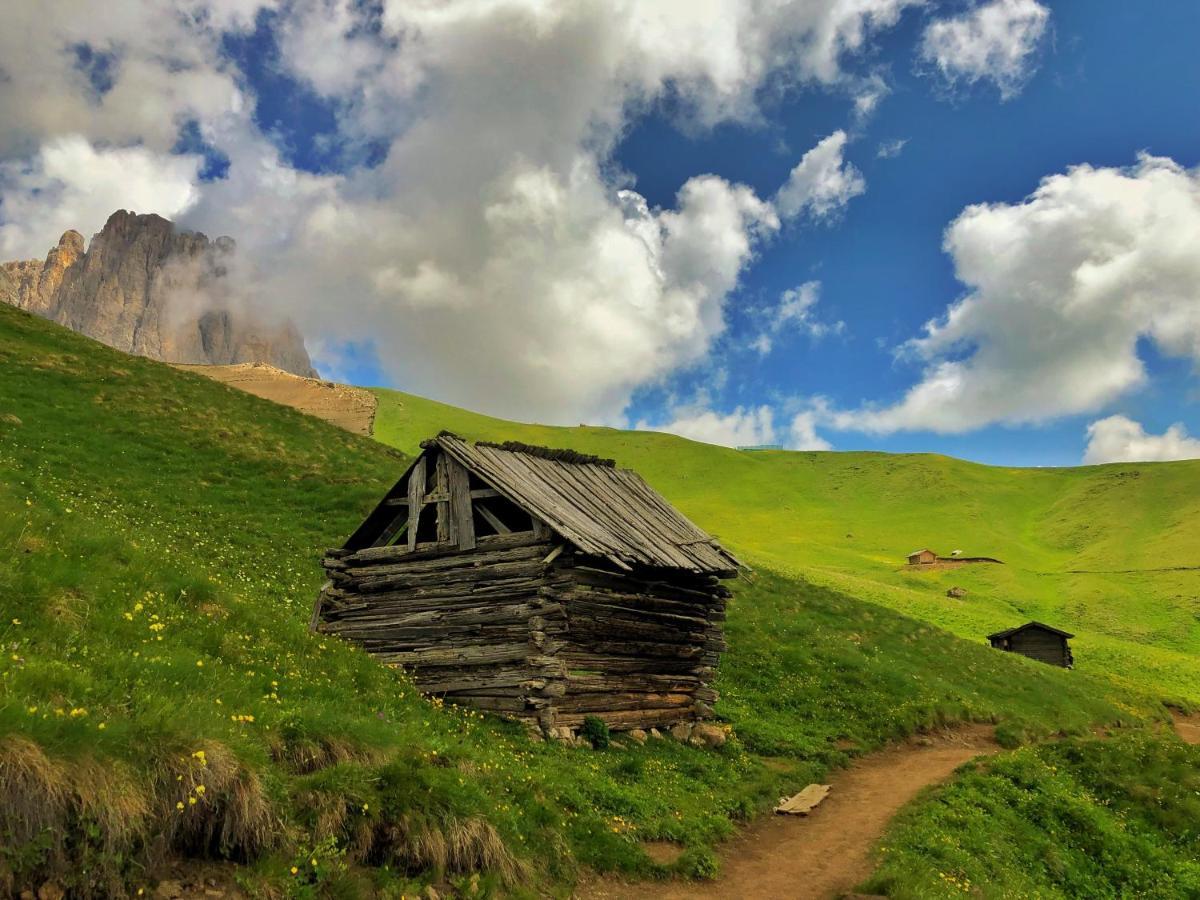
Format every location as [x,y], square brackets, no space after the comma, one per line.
[641,649]
[1040,645]
[523,629]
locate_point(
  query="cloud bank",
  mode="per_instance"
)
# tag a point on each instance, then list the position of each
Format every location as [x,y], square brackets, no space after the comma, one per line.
[494,257]
[1061,288]
[744,427]
[1121,439]
[71,182]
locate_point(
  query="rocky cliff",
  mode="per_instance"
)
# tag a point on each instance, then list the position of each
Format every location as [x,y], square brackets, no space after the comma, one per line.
[145,287]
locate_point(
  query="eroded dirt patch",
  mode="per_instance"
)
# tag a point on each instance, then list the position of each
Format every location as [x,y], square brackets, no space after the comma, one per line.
[347,407]
[665,853]
[1187,726]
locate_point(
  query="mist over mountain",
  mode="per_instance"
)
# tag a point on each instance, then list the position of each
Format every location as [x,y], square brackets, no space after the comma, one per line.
[146,287]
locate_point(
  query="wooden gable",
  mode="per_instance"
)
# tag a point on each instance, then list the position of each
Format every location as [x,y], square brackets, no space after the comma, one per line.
[438,502]
[455,491]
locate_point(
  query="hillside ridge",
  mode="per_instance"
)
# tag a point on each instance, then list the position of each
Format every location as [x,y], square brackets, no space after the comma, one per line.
[1106,551]
[1103,550]
[164,698]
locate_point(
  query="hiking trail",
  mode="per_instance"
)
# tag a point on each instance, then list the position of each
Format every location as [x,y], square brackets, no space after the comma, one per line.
[828,852]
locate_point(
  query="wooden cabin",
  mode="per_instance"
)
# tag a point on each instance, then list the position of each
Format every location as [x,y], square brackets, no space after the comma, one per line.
[543,585]
[1037,641]
[924,557]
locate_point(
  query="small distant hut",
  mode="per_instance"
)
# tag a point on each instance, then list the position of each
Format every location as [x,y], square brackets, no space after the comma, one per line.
[924,557]
[928,557]
[543,585]
[1037,641]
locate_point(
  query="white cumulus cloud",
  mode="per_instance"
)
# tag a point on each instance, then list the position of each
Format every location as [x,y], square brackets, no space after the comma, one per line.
[803,432]
[822,183]
[495,257]
[1121,439]
[996,41]
[744,426]
[1061,288]
[72,184]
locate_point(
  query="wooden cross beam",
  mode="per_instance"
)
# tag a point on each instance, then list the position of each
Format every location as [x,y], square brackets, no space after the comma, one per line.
[416,496]
[458,484]
[492,520]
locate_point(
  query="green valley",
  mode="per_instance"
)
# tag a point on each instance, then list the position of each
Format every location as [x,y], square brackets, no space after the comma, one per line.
[1110,553]
[161,697]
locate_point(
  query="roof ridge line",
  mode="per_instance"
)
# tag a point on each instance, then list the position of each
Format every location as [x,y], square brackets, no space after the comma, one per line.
[562,455]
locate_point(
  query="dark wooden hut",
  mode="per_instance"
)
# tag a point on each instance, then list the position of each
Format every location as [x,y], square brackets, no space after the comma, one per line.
[924,557]
[539,584]
[1037,641]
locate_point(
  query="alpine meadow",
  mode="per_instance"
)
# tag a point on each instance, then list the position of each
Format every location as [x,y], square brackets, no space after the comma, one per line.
[163,697]
[599,450]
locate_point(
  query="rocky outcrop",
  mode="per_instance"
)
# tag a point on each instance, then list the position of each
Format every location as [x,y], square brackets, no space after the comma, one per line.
[35,283]
[145,287]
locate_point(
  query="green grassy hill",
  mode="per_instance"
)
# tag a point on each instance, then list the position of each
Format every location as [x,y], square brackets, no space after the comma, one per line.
[161,696]
[1075,818]
[1111,553]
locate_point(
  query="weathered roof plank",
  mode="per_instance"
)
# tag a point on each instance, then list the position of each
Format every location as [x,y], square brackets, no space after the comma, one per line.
[606,512]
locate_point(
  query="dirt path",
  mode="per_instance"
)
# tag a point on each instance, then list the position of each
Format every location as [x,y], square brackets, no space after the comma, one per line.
[347,407]
[1187,726]
[829,852]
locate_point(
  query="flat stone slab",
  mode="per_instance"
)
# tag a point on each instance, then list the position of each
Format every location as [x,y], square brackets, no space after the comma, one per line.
[804,802]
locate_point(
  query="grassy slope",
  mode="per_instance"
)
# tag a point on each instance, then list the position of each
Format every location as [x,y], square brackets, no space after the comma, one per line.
[1108,552]
[159,538]
[1080,818]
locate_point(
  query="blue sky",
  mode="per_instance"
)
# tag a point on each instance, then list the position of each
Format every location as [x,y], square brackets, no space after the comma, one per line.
[580,212]
[1112,81]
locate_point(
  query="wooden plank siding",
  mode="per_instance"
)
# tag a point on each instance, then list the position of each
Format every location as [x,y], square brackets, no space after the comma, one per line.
[548,642]
[1036,641]
[1048,648]
[586,593]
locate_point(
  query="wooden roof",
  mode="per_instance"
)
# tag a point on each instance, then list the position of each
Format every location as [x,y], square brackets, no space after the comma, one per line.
[1009,632]
[605,511]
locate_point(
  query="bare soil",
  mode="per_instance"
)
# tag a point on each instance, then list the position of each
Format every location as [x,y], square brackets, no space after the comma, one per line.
[828,852]
[1187,726]
[663,852]
[347,407]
